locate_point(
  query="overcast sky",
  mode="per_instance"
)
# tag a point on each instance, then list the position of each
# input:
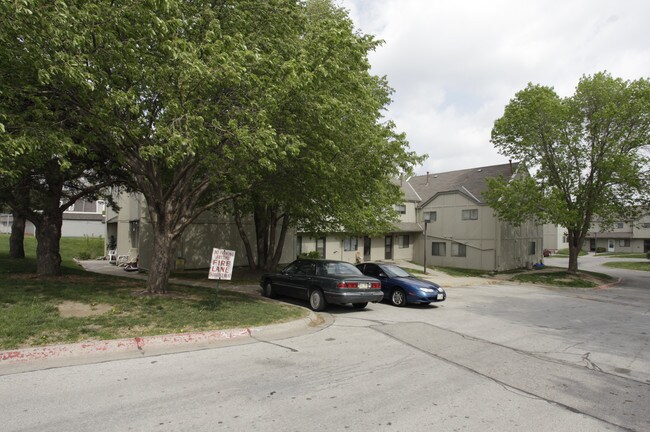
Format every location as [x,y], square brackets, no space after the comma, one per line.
[454,65]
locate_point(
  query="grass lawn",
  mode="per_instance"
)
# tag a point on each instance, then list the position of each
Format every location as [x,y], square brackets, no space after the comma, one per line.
[630,265]
[622,255]
[563,278]
[565,252]
[81,306]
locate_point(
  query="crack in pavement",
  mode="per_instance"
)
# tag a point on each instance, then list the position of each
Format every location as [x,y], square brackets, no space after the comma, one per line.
[572,387]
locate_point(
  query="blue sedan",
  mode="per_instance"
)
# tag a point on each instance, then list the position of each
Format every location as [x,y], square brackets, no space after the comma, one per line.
[400,287]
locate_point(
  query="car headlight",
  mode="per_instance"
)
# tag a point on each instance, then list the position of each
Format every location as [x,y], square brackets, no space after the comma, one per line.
[440,290]
[427,290]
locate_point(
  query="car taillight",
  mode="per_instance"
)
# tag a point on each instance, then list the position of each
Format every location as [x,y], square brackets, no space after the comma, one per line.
[375,285]
[348,285]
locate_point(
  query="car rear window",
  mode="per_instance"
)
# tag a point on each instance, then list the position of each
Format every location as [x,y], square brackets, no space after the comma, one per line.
[335,268]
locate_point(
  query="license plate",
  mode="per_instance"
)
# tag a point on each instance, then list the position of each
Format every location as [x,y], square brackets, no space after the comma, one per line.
[364,285]
[441,296]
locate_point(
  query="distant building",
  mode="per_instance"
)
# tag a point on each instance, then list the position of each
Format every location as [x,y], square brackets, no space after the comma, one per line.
[624,236]
[462,230]
[84,218]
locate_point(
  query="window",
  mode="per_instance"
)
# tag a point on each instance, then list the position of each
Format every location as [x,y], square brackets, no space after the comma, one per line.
[431,216]
[532,248]
[350,244]
[470,214]
[645,225]
[624,242]
[400,208]
[320,246]
[404,241]
[439,249]
[458,250]
[620,225]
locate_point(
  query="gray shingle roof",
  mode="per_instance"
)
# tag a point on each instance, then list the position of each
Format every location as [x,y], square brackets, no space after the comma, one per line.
[470,182]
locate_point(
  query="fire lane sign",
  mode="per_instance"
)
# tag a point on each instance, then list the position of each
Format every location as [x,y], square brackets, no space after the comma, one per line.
[221,264]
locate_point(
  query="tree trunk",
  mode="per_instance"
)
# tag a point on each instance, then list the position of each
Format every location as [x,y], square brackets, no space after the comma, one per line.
[162,259]
[17,238]
[48,237]
[575,245]
[280,246]
[242,233]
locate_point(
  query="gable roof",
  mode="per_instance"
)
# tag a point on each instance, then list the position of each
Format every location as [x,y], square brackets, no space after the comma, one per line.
[469,182]
[409,193]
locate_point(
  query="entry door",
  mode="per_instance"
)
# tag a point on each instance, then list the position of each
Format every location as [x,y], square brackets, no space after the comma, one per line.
[366,248]
[646,246]
[388,242]
[592,245]
[610,245]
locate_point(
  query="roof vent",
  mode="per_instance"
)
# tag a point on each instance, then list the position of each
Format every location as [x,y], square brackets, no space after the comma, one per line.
[435,176]
[480,170]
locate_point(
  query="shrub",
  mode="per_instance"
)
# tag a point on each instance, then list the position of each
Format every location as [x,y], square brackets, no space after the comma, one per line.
[312,254]
[600,249]
[647,255]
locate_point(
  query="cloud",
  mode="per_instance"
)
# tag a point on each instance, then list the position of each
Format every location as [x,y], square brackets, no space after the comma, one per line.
[455,65]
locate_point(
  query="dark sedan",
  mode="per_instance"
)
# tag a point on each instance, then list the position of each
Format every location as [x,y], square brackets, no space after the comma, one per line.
[400,287]
[322,282]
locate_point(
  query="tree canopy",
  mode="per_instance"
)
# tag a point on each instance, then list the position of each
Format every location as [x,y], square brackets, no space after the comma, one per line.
[338,176]
[201,102]
[585,154]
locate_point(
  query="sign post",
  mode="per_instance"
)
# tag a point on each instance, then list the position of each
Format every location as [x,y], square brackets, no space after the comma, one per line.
[221,266]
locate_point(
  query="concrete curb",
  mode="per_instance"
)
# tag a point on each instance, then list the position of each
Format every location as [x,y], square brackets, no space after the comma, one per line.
[140,344]
[609,285]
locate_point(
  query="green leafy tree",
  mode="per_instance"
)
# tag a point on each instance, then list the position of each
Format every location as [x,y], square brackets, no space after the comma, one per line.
[585,154]
[45,165]
[338,175]
[180,94]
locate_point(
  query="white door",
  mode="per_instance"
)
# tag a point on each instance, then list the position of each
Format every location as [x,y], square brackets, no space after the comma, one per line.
[610,245]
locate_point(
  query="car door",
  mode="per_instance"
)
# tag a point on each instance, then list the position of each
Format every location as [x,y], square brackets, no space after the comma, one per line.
[302,280]
[283,281]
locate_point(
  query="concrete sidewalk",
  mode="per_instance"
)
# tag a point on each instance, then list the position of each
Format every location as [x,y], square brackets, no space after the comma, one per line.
[103,266]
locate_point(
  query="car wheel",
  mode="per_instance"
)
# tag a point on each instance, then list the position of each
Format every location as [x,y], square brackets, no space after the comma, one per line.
[359,305]
[268,290]
[398,297]
[317,300]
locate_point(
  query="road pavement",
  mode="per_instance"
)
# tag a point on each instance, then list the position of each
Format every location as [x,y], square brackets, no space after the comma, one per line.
[493,357]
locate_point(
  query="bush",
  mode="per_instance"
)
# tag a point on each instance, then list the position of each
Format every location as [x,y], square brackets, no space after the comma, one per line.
[312,254]
[647,255]
[600,249]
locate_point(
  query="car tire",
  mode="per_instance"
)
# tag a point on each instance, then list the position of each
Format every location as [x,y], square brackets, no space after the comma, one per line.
[359,305]
[398,297]
[317,300]
[268,290]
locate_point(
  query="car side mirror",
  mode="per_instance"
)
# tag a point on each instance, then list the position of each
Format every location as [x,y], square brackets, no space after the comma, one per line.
[382,275]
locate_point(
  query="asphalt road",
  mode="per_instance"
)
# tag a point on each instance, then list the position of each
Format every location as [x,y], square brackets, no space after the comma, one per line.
[498,357]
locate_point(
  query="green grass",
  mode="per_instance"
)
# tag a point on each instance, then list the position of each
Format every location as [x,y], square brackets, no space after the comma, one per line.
[30,316]
[70,247]
[565,252]
[462,272]
[630,265]
[622,255]
[563,278]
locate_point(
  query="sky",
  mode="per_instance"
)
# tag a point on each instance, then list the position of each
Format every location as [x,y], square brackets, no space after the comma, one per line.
[455,64]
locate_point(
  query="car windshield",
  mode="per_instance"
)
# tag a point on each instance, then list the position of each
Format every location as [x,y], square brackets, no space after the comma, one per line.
[339,268]
[394,271]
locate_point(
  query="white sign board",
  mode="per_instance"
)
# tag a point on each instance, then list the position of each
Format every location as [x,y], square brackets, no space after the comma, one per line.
[221,264]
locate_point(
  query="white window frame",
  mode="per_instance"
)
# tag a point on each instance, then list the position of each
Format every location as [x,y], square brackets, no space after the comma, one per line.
[469,214]
[461,250]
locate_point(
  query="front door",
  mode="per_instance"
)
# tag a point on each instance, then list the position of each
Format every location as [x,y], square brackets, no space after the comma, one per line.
[646,246]
[366,248]
[610,245]
[388,242]
[592,245]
